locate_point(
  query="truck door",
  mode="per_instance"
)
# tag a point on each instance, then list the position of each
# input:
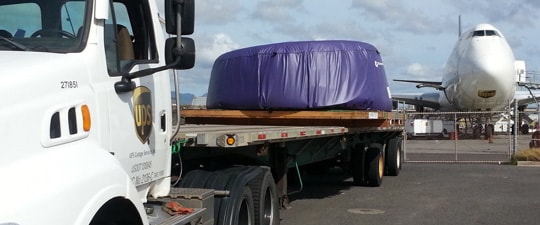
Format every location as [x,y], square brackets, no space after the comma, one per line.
[139,118]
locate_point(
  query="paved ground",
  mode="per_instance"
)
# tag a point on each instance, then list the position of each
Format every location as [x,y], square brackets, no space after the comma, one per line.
[445,194]
[464,150]
[461,193]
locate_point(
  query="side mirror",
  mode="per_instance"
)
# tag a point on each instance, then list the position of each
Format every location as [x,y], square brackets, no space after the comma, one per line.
[185,9]
[185,51]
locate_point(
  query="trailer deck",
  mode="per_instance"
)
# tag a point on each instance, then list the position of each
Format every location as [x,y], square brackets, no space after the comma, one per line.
[213,127]
[345,118]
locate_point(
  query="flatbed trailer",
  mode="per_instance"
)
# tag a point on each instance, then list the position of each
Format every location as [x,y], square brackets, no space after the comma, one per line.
[365,143]
[254,127]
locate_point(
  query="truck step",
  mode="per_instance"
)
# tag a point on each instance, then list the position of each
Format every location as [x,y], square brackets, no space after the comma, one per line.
[193,218]
[201,200]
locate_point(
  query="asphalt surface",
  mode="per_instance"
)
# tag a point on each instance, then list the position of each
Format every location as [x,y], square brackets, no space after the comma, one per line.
[445,194]
[465,150]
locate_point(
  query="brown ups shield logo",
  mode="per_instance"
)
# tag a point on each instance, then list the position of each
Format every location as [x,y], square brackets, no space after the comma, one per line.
[142,112]
[486,93]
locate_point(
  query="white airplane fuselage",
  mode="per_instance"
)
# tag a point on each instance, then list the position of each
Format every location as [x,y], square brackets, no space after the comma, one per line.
[480,73]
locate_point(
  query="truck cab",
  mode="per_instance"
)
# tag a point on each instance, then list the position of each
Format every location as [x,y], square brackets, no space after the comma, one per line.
[87,120]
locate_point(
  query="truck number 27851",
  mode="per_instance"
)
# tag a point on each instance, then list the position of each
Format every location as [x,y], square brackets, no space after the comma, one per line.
[69,84]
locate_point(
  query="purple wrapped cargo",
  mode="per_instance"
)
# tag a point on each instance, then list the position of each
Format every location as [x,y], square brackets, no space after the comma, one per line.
[300,76]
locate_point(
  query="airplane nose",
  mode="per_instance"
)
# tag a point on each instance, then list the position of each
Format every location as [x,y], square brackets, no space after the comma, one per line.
[487,67]
[489,72]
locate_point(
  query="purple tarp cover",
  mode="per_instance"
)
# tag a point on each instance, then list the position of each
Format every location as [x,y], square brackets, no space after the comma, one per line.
[300,75]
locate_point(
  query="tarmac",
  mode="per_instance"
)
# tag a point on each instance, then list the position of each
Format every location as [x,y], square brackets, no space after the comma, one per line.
[423,194]
[475,189]
[465,150]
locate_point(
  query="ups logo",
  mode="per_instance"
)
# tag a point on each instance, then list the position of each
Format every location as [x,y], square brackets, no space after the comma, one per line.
[486,94]
[142,112]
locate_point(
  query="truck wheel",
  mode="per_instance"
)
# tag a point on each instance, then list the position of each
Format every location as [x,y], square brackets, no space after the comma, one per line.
[237,207]
[393,157]
[357,164]
[375,165]
[265,200]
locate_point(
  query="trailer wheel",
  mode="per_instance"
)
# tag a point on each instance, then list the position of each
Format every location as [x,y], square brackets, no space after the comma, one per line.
[245,209]
[375,165]
[357,164]
[265,199]
[393,157]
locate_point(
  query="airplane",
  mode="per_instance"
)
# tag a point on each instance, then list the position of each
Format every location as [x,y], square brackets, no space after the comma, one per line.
[481,74]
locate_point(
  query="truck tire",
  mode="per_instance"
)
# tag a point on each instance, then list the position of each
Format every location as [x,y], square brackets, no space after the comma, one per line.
[237,207]
[265,199]
[357,165]
[375,165]
[393,158]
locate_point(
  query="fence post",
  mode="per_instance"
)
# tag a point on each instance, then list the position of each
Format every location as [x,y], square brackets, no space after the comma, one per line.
[516,127]
[456,134]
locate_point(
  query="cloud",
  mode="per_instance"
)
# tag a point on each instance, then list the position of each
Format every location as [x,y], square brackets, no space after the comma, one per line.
[217,12]
[220,43]
[381,8]
[416,69]
[518,13]
[209,47]
[277,10]
[348,29]
[422,72]
[407,19]
[194,81]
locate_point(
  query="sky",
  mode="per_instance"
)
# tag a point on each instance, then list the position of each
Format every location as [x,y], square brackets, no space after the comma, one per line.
[414,37]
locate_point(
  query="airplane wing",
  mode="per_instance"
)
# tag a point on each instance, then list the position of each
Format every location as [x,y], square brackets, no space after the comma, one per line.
[430,100]
[421,84]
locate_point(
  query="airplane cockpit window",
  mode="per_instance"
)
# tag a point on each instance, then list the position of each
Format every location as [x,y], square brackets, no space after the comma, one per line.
[477,33]
[491,33]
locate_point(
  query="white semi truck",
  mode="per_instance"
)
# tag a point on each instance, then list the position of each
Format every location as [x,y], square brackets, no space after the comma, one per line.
[90,134]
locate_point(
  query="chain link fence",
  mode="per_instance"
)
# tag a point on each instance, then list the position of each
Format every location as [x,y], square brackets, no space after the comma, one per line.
[465,137]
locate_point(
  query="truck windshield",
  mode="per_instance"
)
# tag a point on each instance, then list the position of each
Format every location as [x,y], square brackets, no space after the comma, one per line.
[42,25]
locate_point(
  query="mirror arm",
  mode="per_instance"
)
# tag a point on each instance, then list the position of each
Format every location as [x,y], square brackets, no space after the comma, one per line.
[126,85]
[179,22]
[146,72]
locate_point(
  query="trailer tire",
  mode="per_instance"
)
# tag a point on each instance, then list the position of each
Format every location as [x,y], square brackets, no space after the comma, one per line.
[393,158]
[244,210]
[356,165]
[375,165]
[265,199]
